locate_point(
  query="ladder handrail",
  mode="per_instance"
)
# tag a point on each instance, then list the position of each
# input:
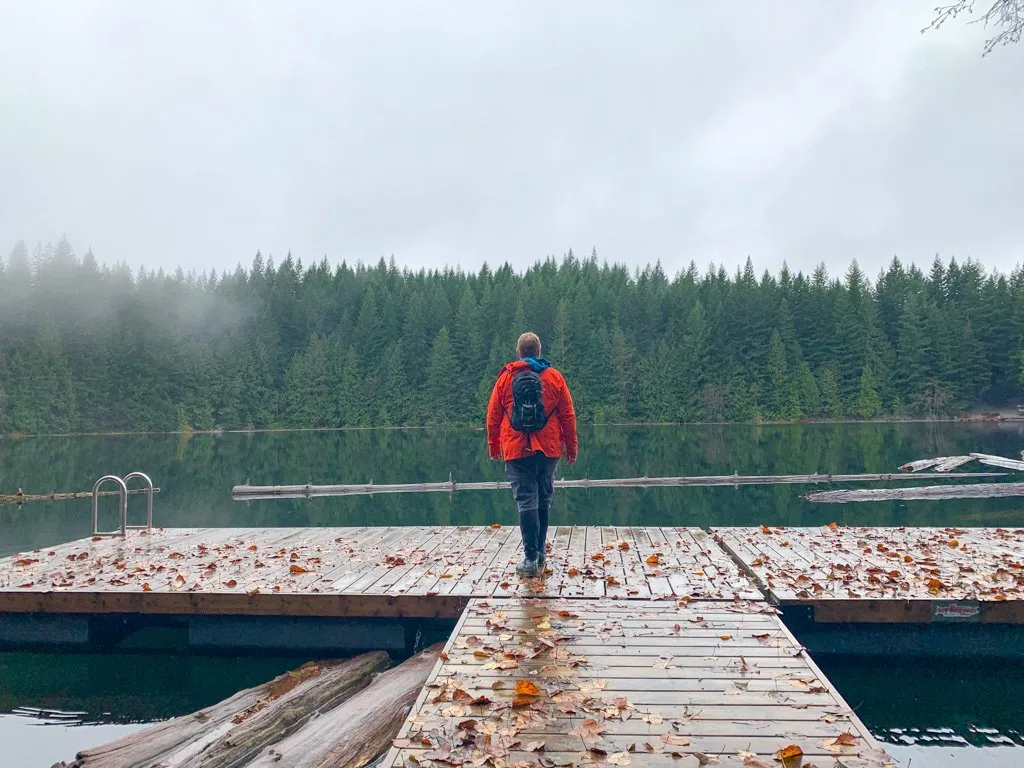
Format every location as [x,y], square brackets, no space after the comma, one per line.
[149,501]
[122,490]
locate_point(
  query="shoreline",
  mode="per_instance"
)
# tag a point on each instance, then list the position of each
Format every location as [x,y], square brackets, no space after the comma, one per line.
[1002,419]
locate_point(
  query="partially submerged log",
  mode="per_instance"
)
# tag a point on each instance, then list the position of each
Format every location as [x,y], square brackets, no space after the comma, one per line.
[254,492]
[940,464]
[235,729]
[21,497]
[943,464]
[998,461]
[356,732]
[921,493]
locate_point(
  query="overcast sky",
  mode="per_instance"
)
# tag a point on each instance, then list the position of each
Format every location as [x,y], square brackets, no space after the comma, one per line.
[194,133]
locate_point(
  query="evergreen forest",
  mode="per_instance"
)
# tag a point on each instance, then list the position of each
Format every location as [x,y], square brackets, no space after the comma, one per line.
[86,346]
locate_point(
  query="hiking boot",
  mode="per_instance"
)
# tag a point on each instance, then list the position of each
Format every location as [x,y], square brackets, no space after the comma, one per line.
[527,568]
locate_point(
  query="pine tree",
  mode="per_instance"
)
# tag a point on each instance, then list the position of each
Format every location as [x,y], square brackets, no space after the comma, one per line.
[440,373]
[831,398]
[869,402]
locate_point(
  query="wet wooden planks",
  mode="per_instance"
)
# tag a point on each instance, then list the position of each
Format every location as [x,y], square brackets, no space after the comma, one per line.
[387,571]
[849,574]
[543,682]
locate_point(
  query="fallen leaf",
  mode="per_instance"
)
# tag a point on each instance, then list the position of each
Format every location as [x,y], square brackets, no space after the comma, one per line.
[790,756]
[703,759]
[527,688]
[297,569]
[597,556]
[572,572]
[146,588]
[654,559]
[845,739]
[675,740]
[725,637]
[534,746]
[231,584]
[590,729]
[25,561]
[753,761]
[495,526]
[624,545]
[620,758]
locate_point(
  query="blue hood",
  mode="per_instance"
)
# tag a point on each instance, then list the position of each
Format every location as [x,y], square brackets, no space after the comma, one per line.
[538,364]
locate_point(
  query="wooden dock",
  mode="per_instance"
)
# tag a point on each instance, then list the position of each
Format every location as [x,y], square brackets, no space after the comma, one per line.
[645,646]
[628,682]
[887,575]
[393,572]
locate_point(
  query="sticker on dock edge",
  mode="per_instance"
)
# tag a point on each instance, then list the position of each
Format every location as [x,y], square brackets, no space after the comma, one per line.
[963,610]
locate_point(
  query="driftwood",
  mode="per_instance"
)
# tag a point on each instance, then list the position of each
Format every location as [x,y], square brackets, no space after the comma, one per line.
[998,461]
[246,492]
[355,733]
[944,464]
[934,492]
[233,730]
[21,498]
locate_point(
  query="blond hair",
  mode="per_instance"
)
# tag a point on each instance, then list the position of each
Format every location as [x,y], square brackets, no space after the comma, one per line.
[528,345]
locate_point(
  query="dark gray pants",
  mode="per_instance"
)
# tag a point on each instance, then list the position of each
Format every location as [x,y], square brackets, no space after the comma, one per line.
[533,486]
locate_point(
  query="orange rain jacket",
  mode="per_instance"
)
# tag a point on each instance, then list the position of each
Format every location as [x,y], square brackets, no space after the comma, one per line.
[504,442]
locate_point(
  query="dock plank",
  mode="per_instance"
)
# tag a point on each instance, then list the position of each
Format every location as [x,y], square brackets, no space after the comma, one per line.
[524,678]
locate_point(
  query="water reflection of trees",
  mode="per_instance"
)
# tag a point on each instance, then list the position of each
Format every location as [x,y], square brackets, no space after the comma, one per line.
[196,476]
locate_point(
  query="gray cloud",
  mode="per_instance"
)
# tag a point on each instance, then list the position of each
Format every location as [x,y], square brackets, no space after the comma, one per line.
[193,133]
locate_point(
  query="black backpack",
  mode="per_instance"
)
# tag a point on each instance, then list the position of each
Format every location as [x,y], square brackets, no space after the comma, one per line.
[527,403]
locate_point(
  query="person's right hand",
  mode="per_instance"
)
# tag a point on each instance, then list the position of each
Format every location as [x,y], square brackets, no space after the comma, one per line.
[571,459]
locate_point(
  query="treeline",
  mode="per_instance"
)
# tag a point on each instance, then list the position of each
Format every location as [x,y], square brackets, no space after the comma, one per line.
[84,346]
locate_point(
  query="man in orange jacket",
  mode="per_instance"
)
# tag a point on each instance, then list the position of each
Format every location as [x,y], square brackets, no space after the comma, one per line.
[531,423]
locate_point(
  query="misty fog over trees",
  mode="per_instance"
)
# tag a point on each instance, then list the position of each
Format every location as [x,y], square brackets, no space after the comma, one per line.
[85,346]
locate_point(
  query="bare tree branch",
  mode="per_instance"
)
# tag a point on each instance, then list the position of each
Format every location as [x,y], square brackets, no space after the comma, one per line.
[1006,16]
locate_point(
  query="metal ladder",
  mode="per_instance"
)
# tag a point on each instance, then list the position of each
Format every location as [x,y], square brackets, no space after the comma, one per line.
[122,492]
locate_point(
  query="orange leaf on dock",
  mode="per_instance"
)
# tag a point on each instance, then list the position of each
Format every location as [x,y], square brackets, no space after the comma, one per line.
[527,688]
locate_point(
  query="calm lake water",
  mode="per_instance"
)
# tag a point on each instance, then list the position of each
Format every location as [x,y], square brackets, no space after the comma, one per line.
[931,714]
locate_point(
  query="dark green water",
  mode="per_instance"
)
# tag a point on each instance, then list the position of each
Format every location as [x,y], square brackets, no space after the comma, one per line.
[932,714]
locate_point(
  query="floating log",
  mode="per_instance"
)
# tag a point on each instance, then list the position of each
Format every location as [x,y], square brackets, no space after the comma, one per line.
[21,498]
[355,733]
[254,492]
[998,461]
[240,726]
[920,493]
[940,464]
